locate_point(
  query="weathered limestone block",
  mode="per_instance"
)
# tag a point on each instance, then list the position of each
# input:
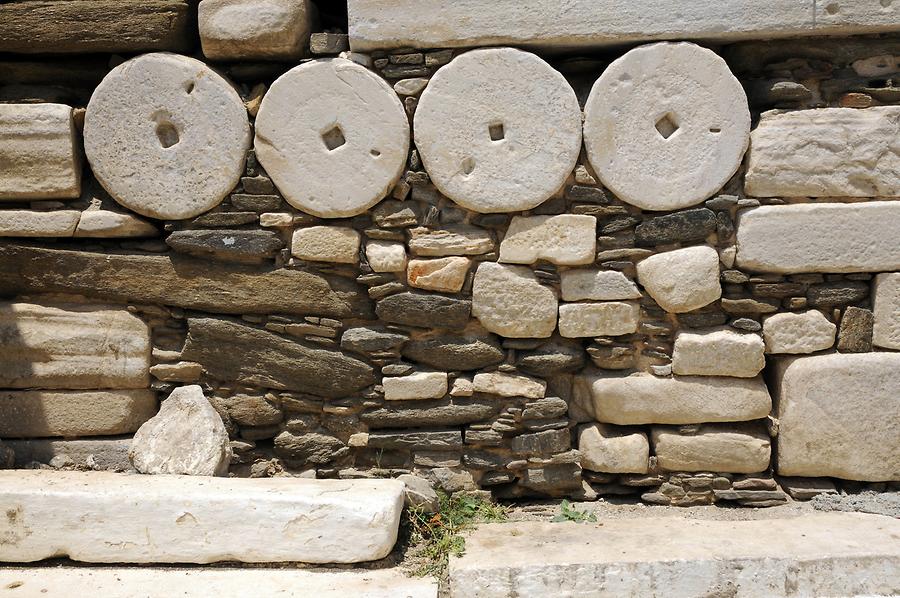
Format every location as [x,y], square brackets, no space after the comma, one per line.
[682,280]
[452,239]
[421,385]
[187,519]
[445,274]
[647,399]
[666,125]
[72,347]
[39,153]
[186,437]
[180,371]
[333,136]
[50,26]
[828,152]
[326,244]
[599,285]
[798,333]
[185,128]
[254,29]
[609,449]
[820,237]
[839,416]
[610,318]
[886,330]
[509,385]
[725,449]
[29,223]
[509,301]
[107,224]
[386,256]
[498,130]
[42,413]
[563,239]
[718,353]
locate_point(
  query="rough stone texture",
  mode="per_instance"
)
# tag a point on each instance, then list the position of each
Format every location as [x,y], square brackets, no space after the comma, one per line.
[610,318]
[424,310]
[72,347]
[421,385]
[109,454]
[828,152]
[71,413]
[498,130]
[805,332]
[190,159]
[599,285]
[431,413]
[647,399]
[682,280]
[564,239]
[385,256]
[689,225]
[718,353]
[365,340]
[28,223]
[109,224]
[254,29]
[445,275]
[333,136]
[666,125]
[839,416]
[302,451]
[236,352]
[186,437]
[185,519]
[39,152]
[249,246]
[509,301]
[609,449]
[723,449]
[326,244]
[472,350]
[855,334]
[819,237]
[555,357]
[509,385]
[459,239]
[886,330]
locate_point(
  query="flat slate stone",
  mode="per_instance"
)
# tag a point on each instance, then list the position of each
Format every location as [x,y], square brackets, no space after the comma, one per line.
[251,246]
[456,351]
[424,310]
[188,519]
[689,225]
[427,414]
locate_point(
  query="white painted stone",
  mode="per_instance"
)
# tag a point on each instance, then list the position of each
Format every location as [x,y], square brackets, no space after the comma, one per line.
[805,332]
[333,136]
[725,449]
[39,155]
[563,239]
[827,152]
[452,239]
[29,223]
[839,415]
[254,29]
[72,347]
[599,285]
[445,274]
[820,237]
[338,244]
[187,437]
[386,256]
[609,449]
[186,519]
[420,385]
[509,301]
[166,136]
[718,353]
[647,399]
[410,87]
[498,130]
[682,280]
[610,318]
[107,224]
[666,125]
[509,385]
[886,331]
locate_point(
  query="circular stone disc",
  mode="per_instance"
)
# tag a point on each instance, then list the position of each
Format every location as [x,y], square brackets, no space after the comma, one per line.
[499,130]
[333,136]
[666,125]
[166,136]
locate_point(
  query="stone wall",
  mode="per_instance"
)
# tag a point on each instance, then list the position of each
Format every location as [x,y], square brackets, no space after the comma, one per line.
[579,269]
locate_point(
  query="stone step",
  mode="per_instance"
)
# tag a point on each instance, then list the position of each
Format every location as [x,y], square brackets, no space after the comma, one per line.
[143,582]
[104,517]
[818,554]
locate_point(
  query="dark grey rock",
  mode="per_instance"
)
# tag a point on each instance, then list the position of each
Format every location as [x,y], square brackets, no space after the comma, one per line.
[702,319]
[837,293]
[485,460]
[777,289]
[542,443]
[483,437]
[855,335]
[612,357]
[311,449]
[251,246]
[424,310]
[397,214]
[689,225]
[256,203]
[587,194]
[416,440]
[746,324]
[556,357]
[495,478]
[371,340]
[328,43]
[722,202]
[419,494]
[553,479]
[225,219]
[425,414]
[258,185]
[546,408]
[456,351]
[741,307]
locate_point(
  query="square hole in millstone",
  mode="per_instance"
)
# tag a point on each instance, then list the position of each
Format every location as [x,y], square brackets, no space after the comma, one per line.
[496,132]
[667,125]
[333,138]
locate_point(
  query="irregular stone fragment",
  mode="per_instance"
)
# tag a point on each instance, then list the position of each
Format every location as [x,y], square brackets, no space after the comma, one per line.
[855,335]
[333,136]
[28,223]
[824,237]
[509,385]
[254,29]
[419,494]
[446,274]
[424,310]
[718,353]
[251,246]
[599,285]
[107,224]
[564,239]
[410,87]
[553,358]
[326,244]
[253,410]
[805,332]
[509,301]
[369,340]
[459,239]
[39,154]
[185,128]
[839,416]
[385,256]
[421,385]
[610,318]
[187,437]
[610,449]
[724,449]
[675,106]
[472,350]
[309,450]
[682,280]
[886,330]
[432,414]
[498,130]
[689,225]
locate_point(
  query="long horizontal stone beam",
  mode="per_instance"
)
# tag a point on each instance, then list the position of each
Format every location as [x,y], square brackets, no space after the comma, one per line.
[376,24]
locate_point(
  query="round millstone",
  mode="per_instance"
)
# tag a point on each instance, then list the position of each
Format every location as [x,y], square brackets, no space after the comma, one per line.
[333,136]
[666,126]
[166,136]
[498,130]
